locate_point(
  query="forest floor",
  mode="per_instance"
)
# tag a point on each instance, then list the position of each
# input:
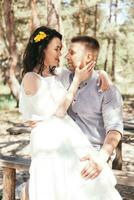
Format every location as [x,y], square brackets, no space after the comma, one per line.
[18,145]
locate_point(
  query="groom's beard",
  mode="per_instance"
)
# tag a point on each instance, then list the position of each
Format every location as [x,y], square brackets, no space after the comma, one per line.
[71,67]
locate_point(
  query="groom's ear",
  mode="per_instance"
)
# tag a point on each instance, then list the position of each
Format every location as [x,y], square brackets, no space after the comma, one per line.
[89,57]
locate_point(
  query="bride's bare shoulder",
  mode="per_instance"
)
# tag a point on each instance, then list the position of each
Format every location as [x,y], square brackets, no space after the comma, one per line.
[31,83]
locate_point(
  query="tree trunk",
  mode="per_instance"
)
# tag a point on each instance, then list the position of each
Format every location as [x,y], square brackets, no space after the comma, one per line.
[9,22]
[113,59]
[54,19]
[107,53]
[95,20]
[53,15]
[108,40]
[114,45]
[2,31]
[9,181]
[1,36]
[83,21]
[34,21]
[117,162]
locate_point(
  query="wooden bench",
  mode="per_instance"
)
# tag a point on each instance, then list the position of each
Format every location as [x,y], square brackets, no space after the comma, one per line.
[10,165]
[117,162]
[124,177]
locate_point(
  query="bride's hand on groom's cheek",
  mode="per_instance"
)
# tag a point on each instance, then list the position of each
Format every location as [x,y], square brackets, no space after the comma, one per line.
[92,169]
[83,73]
[91,65]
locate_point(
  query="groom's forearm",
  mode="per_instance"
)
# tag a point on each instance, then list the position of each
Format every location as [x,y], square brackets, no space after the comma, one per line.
[110,143]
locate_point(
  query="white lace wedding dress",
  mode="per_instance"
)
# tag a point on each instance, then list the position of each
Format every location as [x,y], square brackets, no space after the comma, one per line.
[57,144]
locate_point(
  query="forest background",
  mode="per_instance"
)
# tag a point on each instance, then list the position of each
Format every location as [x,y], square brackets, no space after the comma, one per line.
[110,21]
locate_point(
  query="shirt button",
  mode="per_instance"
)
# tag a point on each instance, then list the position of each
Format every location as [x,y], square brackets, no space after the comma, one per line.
[78,87]
[85,83]
[76,113]
[74,100]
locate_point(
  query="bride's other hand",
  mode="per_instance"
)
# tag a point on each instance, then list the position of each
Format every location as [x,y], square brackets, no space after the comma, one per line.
[104,81]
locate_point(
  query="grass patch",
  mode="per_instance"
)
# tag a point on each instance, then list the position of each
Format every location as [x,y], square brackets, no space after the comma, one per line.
[6,99]
[7,102]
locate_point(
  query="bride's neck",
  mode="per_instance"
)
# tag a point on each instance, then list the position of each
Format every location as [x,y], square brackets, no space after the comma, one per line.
[46,71]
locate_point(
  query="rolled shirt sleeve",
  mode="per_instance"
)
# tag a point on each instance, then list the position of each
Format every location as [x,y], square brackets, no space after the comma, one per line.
[112,110]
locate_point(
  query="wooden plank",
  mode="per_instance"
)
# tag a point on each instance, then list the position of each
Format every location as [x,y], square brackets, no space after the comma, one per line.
[10,165]
[15,163]
[9,182]
[117,162]
[19,129]
[128,125]
[124,177]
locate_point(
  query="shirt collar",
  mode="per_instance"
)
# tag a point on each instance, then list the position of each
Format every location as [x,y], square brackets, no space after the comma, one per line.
[84,83]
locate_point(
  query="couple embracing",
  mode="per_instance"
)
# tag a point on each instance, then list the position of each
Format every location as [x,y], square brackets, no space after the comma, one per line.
[77,122]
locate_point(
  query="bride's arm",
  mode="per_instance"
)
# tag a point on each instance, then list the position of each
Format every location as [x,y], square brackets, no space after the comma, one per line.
[31,83]
[68,98]
[80,75]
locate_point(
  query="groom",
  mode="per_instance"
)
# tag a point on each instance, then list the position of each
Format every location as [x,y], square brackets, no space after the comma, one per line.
[98,114]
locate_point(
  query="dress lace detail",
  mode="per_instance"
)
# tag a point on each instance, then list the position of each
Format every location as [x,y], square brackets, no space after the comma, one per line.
[44,103]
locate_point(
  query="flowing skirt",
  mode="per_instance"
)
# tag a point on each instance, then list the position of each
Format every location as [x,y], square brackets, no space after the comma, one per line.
[56,148]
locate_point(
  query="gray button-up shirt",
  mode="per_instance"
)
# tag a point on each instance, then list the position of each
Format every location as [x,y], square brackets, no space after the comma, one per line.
[95,112]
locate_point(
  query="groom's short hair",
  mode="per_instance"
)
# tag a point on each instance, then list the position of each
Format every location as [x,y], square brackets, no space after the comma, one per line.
[90,42]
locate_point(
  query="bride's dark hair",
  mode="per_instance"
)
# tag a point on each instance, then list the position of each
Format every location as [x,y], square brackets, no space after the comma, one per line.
[34,53]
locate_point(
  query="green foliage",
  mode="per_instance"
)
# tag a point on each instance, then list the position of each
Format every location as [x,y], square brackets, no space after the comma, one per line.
[6,99]
[72,12]
[0,196]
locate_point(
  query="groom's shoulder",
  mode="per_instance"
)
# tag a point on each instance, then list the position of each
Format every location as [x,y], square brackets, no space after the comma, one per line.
[113,94]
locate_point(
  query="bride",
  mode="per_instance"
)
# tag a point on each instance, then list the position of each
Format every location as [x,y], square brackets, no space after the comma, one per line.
[57,143]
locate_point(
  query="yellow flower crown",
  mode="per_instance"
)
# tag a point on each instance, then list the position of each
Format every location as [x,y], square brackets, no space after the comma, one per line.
[41,35]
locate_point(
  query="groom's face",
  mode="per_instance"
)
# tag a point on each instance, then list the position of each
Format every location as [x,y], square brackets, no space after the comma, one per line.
[76,56]
[79,55]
